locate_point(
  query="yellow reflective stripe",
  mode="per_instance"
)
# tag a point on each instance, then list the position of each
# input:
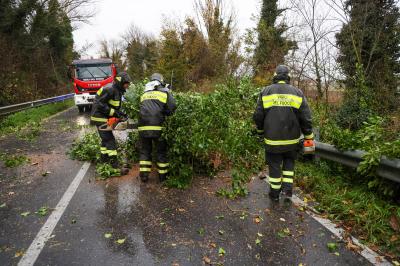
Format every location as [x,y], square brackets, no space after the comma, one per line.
[288,173]
[154,95]
[287,180]
[100,91]
[114,103]
[145,163]
[150,128]
[275,180]
[275,186]
[162,164]
[103,148]
[145,169]
[104,152]
[162,171]
[112,153]
[260,131]
[282,100]
[282,82]
[311,136]
[112,111]
[281,142]
[98,119]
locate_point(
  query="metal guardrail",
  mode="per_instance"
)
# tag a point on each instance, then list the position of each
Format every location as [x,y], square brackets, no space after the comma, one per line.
[6,110]
[389,169]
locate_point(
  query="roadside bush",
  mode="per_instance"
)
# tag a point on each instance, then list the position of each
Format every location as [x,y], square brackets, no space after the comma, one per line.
[373,137]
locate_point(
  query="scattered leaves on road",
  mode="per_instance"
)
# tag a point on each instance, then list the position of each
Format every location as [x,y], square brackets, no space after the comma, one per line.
[107,235]
[3,205]
[18,254]
[243,216]
[24,214]
[201,231]
[42,211]
[332,247]
[121,241]
[46,173]
[257,220]
[207,260]
[221,252]
[219,217]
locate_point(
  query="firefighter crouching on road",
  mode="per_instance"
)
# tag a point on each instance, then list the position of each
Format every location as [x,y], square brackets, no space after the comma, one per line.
[107,105]
[156,103]
[282,114]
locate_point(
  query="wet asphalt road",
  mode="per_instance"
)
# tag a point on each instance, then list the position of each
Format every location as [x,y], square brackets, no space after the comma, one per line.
[160,226]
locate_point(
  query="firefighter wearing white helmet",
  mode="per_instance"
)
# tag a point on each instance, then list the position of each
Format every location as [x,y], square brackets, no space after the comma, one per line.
[156,104]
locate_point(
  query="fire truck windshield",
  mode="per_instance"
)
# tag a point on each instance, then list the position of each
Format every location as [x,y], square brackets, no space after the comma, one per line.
[93,72]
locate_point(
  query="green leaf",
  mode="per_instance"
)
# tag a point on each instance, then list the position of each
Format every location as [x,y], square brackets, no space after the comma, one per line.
[201,231]
[107,235]
[121,241]
[332,247]
[24,214]
[3,205]
[221,251]
[219,217]
[258,241]
[42,211]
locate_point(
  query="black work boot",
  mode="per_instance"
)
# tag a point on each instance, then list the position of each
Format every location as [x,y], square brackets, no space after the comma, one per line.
[104,158]
[144,177]
[274,195]
[287,194]
[120,171]
[162,177]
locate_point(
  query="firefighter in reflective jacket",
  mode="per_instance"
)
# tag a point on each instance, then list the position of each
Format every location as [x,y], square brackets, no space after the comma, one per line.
[282,114]
[107,104]
[157,102]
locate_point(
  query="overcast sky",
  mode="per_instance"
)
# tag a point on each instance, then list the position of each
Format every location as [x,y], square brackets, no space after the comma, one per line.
[114,17]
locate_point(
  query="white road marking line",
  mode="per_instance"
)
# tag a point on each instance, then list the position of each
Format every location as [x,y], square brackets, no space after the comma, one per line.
[45,232]
[366,252]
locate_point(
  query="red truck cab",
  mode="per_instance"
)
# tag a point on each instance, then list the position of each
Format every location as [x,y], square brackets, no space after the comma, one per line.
[88,76]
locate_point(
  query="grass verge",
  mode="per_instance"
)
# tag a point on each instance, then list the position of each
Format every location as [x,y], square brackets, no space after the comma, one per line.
[31,118]
[347,200]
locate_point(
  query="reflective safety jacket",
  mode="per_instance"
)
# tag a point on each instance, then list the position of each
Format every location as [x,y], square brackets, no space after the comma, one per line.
[107,101]
[282,114]
[155,105]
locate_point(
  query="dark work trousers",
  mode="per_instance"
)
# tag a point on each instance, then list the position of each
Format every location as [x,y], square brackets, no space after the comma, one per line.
[281,170]
[108,144]
[145,157]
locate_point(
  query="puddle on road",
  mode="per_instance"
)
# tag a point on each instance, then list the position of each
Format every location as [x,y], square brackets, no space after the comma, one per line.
[82,120]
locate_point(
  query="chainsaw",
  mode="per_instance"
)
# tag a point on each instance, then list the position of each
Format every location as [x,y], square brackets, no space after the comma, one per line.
[118,124]
[308,147]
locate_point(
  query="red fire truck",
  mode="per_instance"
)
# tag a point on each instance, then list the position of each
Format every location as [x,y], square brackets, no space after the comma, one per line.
[87,77]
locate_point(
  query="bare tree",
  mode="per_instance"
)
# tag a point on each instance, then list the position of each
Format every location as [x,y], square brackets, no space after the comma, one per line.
[113,49]
[315,58]
[79,11]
